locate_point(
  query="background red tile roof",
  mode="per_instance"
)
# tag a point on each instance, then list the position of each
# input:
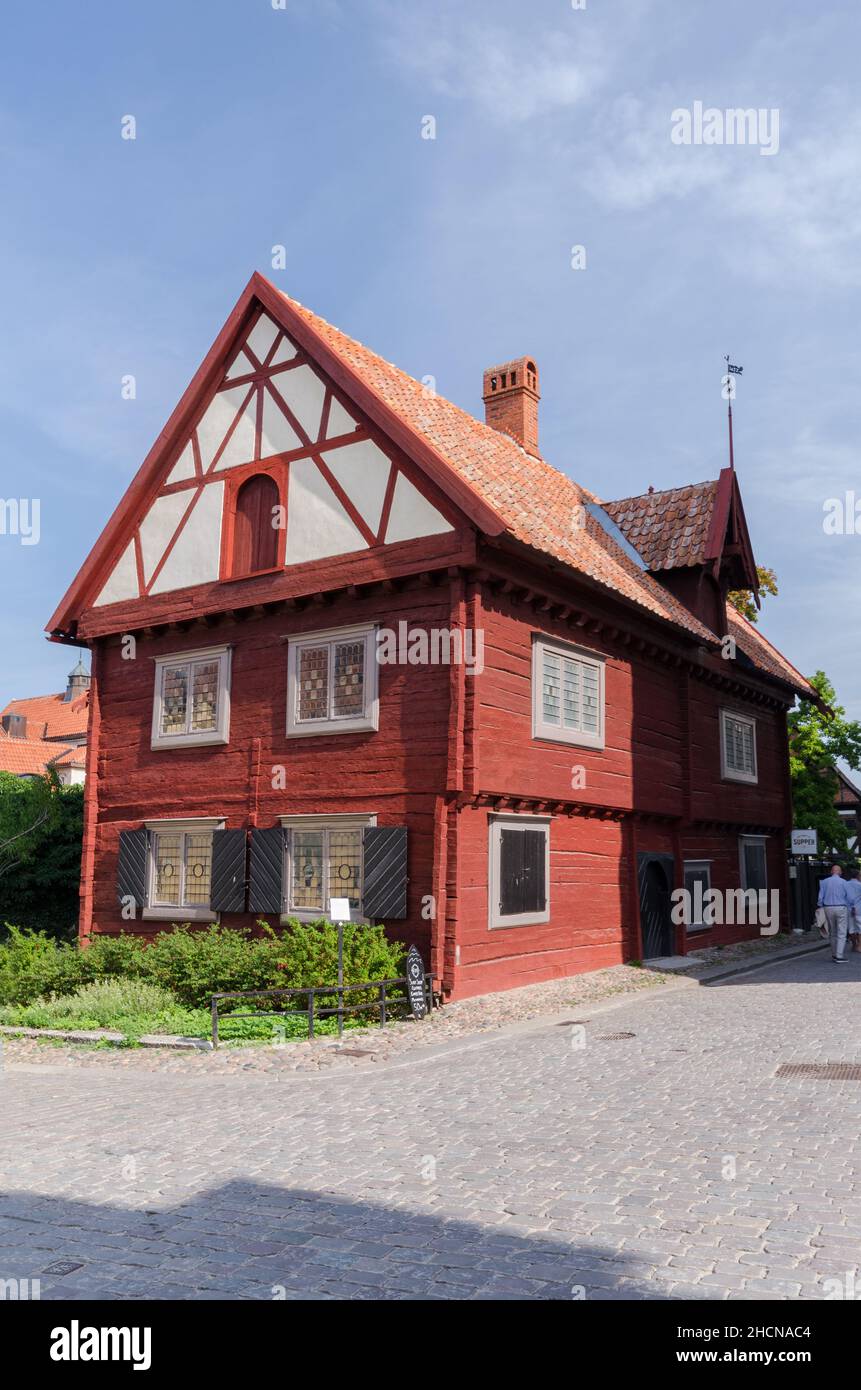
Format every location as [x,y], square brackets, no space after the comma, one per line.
[31,756]
[50,716]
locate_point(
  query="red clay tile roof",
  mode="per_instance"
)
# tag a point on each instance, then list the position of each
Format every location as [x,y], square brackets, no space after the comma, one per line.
[70,757]
[764,656]
[540,506]
[31,756]
[50,716]
[668,529]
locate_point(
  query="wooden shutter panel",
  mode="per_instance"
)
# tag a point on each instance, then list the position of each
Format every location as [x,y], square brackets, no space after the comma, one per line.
[266,865]
[384,889]
[132,867]
[227,893]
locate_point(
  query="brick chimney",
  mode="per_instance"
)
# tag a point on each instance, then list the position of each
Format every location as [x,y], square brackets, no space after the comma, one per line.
[511,397]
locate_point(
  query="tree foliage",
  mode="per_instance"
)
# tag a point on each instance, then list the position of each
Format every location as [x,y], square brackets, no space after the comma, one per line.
[742,599]
[816,744]
[41,829]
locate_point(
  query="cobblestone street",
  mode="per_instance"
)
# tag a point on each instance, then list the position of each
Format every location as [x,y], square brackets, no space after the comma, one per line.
[663,1158]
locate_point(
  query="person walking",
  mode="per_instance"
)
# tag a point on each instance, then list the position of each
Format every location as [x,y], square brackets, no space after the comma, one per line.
[834,898]
[853,888]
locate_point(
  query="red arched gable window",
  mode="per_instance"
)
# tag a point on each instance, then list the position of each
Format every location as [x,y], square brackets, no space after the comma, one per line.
[255,539]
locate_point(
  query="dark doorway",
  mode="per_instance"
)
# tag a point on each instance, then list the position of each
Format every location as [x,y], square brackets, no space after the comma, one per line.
[655,873]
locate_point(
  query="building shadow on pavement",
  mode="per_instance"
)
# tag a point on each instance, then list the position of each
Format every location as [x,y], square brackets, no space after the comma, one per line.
[261,1242]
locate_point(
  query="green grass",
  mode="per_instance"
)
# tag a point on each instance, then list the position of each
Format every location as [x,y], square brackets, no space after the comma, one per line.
[135,1007]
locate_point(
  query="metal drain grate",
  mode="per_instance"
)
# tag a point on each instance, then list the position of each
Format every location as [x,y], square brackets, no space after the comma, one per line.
[821,1071]
[614,1037]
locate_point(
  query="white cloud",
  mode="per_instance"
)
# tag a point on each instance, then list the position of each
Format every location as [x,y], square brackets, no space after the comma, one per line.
[511,73]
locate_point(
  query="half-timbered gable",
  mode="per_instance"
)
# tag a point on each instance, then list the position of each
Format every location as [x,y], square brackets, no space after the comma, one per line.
[350,641]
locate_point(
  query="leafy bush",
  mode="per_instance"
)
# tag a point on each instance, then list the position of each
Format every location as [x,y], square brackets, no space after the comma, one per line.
[41,830]
[34,965]
[195,964]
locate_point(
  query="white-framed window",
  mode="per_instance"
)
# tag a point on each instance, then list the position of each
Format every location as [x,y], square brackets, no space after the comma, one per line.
[567,694]
[519,871]
[737,746]
[332,682]
[753,862]
[323,860]
[179,869]
[697,872]
[192,698]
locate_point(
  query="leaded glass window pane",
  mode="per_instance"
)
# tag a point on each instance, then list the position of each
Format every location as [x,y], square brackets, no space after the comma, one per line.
[307,871]
[348,695]
[313,683]
[174,706]
[345,865]
[204,695]
[167,854]
[198,869]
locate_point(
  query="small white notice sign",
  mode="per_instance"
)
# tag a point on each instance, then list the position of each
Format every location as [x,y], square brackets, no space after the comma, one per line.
[339,909]
[804,841]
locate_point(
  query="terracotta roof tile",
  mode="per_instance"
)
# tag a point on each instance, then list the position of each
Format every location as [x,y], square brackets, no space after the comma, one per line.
[668,529]
[764,656]
[540,506]
[52,716]
[31,756]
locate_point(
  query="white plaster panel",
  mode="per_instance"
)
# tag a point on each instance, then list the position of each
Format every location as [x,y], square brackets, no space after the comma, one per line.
[217,420]
[340,421]
[317,524]
[262,336]
[195,557]
[242,366]
[123,580]
[363,472]
[285,352]
[277,435]
[303,391]
[240,446]
[184,466]
[412,515]
[158,527]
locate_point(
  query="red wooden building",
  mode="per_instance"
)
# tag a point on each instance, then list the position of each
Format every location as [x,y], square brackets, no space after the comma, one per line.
[348,641]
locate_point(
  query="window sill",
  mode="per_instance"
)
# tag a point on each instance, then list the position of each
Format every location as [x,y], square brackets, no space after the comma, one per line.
[569,740]
[345,726]
[179,914]
[187,741]
[526,919]
[739,777]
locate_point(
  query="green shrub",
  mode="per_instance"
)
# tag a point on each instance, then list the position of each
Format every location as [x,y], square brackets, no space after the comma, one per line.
[221,960]
[195,964]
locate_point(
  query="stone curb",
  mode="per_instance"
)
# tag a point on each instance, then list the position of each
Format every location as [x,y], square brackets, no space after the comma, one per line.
[171,1040]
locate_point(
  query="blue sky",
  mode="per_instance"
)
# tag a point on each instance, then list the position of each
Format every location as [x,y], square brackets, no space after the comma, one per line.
[302,126]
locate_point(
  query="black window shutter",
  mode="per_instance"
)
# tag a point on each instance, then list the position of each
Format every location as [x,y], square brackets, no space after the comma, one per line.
[227,893]
[384,889]
[266,876]
[132,868]
[522,871]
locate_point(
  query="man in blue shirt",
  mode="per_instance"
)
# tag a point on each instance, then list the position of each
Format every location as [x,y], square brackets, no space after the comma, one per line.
[834,898]
[853,888]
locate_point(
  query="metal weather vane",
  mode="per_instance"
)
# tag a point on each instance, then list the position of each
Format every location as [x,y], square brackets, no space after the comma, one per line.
[731,371]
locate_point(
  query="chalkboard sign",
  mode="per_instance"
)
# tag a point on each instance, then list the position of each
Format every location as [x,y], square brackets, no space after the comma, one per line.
[416,982]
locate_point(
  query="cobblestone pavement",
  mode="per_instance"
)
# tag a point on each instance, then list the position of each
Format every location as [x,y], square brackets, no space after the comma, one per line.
[663,1158]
